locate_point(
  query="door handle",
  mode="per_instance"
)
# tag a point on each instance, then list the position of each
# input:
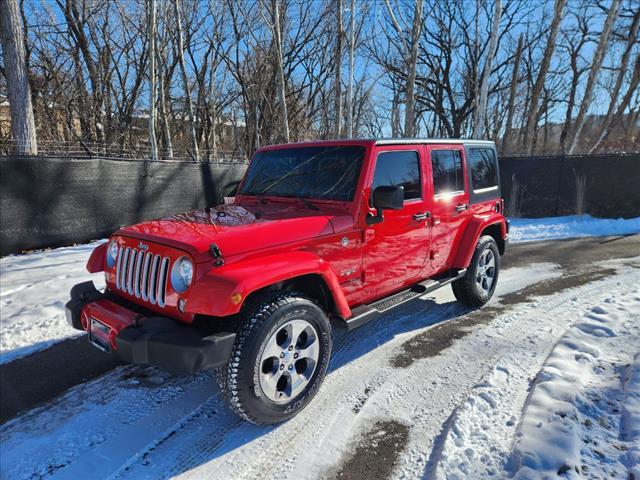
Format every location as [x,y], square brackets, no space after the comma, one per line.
[421,216]
[462,207]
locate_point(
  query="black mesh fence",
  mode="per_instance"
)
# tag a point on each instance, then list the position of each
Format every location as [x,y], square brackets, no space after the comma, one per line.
[46,202]
[599,185]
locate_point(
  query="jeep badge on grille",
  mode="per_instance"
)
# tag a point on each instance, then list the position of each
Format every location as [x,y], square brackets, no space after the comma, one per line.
[143,246]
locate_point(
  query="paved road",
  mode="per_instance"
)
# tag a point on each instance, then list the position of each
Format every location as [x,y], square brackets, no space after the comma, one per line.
[30,381]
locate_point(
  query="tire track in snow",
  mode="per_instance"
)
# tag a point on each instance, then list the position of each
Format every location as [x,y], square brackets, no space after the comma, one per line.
[300,437]
[344,424]
[478,439]
[360,362]
[333,404]
[88,416]
[430,389]
[122,449]
[213,432]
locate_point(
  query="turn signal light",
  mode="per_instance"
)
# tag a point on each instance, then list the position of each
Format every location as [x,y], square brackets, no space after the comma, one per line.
[236,298]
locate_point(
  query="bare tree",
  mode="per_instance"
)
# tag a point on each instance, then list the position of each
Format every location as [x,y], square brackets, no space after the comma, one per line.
[632,89]
[481,102]
[412,66]
[338,64]
[575,41]
[15,69]
[513,88]
[411,62]
[185,81]
[161,59]
[532,117]
[352,49]
[622,71]
[276,29]
[593,74]
[151,35]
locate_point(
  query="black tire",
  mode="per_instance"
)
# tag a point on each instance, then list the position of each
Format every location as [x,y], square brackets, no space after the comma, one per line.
[239,380]
[466,289]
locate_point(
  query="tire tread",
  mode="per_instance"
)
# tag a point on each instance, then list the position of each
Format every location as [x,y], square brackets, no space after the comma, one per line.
[464,288]
[256,312]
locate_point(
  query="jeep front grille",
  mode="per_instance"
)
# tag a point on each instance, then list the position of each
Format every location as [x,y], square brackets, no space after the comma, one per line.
[142,274]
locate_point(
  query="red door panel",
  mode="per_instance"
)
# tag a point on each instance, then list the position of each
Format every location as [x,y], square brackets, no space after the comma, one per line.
[396,250]
[449,203]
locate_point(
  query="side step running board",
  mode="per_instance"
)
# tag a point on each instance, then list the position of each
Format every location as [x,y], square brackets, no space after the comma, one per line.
[365,313]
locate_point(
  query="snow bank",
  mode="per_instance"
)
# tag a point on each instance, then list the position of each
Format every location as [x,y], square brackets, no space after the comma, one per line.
[630,427]
[33,290]
[581,418]
[551,228]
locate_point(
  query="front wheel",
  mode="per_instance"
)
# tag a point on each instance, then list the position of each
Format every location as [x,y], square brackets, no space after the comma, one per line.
[477,286]
[279,360]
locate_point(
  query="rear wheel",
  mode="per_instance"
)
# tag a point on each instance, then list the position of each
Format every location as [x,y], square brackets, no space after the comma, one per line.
[279,360]
[477,286]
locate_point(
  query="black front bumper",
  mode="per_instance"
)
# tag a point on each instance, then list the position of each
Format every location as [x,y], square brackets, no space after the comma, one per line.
[154,340]
[178,348]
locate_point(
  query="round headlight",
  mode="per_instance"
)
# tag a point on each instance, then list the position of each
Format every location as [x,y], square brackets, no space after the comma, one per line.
[112,254]
[181,274]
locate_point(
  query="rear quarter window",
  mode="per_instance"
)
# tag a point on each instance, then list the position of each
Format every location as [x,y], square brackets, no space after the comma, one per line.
[483,168]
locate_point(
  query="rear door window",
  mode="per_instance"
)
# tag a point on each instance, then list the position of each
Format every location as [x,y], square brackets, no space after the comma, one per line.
[484,170]
[399,168]
[447,171]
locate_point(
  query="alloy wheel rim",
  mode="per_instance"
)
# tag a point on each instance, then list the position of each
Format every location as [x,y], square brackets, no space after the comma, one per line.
[486,271]
[288,360]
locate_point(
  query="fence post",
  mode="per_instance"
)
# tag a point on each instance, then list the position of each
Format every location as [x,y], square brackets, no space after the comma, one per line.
[559,188]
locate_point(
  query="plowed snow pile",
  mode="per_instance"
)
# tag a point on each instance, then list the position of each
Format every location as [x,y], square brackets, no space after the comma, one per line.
[581,416]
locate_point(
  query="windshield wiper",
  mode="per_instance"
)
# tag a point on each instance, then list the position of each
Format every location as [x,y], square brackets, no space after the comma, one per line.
[259,196]
[306,201]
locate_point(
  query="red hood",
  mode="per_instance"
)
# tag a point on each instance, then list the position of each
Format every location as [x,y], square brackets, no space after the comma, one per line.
[240,229]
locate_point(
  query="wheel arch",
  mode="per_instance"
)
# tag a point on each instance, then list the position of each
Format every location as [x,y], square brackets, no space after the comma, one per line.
[495,231]
[300,270]
[96,262]
[312,285]
[494,225]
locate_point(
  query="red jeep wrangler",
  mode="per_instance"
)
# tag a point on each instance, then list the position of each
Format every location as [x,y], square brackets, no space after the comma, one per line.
[320,234]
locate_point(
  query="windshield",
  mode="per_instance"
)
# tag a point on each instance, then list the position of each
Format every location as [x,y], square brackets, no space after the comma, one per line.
[311,172]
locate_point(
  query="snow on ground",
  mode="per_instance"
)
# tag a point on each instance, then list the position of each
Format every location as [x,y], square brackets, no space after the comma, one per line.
[516,278]
[554,228]
[630,422]
[573,420]
[580,415]
[106,425]
[33,290]
[557,367]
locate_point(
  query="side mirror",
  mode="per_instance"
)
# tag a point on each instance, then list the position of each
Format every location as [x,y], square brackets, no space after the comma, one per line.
[387,197]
